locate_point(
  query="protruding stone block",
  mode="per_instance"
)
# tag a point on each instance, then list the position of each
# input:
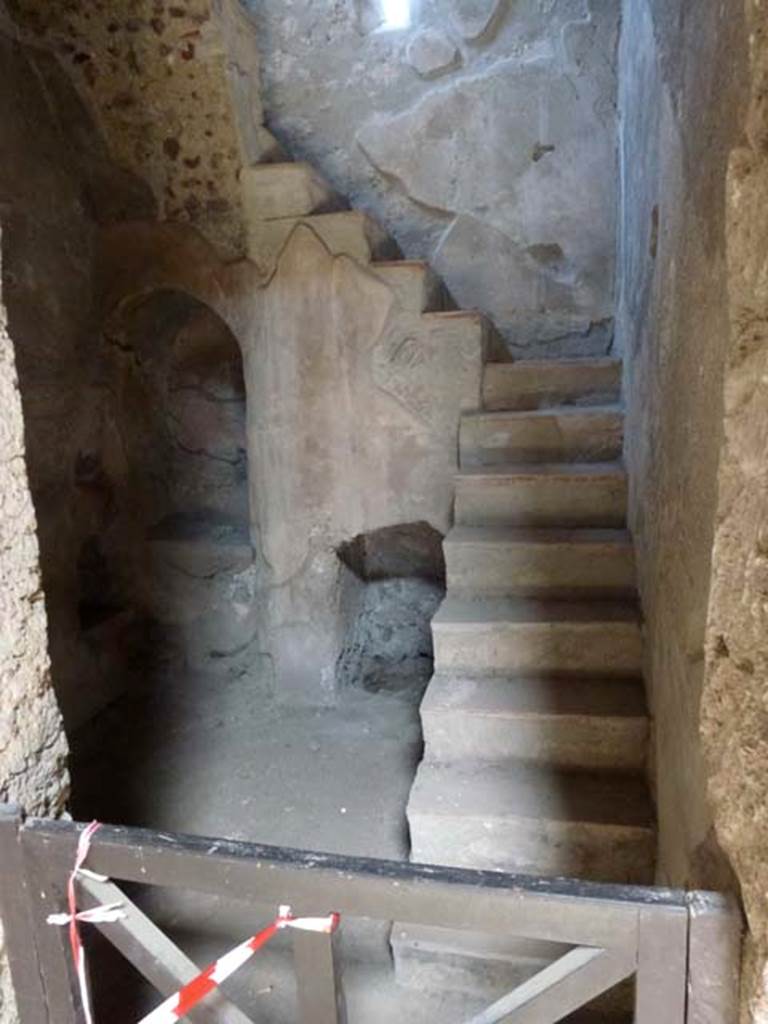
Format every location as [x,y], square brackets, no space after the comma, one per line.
[432,53]
[271,191]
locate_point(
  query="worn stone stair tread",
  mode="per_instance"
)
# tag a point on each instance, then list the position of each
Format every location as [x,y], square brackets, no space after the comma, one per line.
[575,723]
[494,348]
[496,535]
[294,189]
[531,697]
[516,790]
[581,433]
[585,562]
[529,384]
[560,494]
[613,469]
[548,412]
[460,612]
[419,289]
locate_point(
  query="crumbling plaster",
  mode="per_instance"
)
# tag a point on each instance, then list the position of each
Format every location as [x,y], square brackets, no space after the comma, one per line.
[174,87]
[364,434]
[56,183]
[482,136]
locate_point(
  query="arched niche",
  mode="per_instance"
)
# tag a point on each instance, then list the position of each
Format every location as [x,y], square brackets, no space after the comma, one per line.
[166,478]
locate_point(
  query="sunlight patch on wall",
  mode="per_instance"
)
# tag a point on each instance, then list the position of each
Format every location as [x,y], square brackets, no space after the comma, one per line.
[397,14]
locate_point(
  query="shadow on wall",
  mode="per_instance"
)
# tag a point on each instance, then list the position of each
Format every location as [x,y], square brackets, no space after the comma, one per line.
[167,474]
[400,572]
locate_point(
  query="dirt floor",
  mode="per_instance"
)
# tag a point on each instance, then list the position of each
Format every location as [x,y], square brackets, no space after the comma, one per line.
[201,755]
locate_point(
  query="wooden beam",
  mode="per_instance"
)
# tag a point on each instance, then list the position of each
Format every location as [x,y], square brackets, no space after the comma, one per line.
[563,987]
[153,954]
[318,980]
[16,915]
[714,955]
[662,966]
[556,910]
[47,886]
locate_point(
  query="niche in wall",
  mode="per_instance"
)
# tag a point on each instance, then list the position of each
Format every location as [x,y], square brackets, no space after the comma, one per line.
[171,549]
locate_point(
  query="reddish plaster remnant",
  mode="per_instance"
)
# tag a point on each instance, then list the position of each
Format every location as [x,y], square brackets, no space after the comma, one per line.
[148,77]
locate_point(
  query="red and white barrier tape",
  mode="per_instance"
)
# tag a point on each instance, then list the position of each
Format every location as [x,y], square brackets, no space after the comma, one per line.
[73,918]
[181,1002]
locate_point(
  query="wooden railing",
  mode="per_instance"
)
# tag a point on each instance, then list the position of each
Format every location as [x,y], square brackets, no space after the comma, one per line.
[681,947]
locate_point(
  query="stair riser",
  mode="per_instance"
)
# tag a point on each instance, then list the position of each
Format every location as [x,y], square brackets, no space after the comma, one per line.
[273,191]
[530,570]
[417,289]
[347,233]
[487,441]
[518,387]
[602,648]
[543,501]
[534,847]
[565,741]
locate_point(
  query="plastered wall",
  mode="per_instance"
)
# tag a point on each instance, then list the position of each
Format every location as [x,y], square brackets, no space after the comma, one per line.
[481,133]
[693,268]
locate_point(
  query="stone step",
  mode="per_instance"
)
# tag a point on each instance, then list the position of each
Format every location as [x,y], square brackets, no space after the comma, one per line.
[272,191]
[348,232]
[532,820]
[561,434]
[518,637]
[548,494]
[417,287]
[452,322]
[535,384]
[498,561]
[586,724]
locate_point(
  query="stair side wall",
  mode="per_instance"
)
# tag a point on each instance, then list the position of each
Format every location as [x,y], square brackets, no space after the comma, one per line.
[691,323]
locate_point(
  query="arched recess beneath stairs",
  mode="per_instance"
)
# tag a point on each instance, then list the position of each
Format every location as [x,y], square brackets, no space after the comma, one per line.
[167,580]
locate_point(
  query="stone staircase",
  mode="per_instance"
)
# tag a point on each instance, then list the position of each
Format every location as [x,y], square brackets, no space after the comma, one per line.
[535,724]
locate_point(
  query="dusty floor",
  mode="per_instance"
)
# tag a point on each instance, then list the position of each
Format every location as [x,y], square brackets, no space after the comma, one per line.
[200,755]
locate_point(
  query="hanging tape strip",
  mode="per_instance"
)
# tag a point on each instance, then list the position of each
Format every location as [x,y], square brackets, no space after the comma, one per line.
[181,1002]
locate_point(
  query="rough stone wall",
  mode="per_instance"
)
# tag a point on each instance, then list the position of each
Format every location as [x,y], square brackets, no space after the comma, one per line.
[482,135]
[32,746]
[682,74]
[734,703]
[174,87]
[692,320]
[56,185]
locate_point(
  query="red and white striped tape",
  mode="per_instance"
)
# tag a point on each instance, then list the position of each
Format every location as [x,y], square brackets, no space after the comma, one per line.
[73,918]
[181,1002]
